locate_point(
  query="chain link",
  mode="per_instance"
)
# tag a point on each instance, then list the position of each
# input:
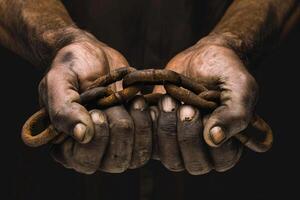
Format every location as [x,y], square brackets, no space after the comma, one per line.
[180,87]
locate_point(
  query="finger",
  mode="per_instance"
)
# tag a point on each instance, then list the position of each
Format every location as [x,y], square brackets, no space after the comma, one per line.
[227,155]
[62,153]
[258,137]
[192,146]
[142,132]
[167,134]
[118,154]
[85,158]
[61,99]
[231,117]
[60,138]
[154,112]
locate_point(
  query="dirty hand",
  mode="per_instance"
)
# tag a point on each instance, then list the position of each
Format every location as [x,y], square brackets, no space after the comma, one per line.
[200,143]
[100,139]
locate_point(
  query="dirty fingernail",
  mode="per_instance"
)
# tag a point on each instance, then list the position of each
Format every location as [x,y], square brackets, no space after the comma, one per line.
[79,131]
[139,104]
[98,118]
[168,104]
[186,113]
[217,135]
[153,115]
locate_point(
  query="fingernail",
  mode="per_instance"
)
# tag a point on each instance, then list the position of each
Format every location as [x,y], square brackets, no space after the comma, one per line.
[186,113]
[217,135]
[79,131]
[153,115]
[168,104]
[98,118]
[139,104]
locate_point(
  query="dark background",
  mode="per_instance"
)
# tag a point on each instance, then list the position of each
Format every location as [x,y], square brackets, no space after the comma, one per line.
[33,175]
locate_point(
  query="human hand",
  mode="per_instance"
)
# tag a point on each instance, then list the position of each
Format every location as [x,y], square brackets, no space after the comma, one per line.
[218,66]
[100,139]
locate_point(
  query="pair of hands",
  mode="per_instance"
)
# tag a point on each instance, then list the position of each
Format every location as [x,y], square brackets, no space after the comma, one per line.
[119,138]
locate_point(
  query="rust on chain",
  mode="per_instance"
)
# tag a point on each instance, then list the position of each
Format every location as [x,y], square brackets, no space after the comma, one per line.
[151,77]
[36,124]
[118,97]
[178,86]
[111,77]
[189,97]
[192,85]
[95,93]
[115,97]
[162,77]
[35,137]
[152,98]
[257,142]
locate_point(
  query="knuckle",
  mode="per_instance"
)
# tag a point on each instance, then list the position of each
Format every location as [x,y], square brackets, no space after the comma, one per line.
[101,133]
[122,124]
[167,125]
[167,129]
[240,119]
[143,130]
[188,137]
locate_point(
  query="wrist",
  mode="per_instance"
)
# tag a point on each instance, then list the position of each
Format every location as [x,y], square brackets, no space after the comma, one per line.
[52,41]
[226,40]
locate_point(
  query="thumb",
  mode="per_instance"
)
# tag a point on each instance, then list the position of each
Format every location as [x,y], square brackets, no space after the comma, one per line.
[225,122]
[60,96]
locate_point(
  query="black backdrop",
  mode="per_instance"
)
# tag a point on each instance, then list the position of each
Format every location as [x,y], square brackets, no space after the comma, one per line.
[32,175]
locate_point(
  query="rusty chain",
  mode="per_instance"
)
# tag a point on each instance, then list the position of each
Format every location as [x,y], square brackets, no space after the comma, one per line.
[38,131]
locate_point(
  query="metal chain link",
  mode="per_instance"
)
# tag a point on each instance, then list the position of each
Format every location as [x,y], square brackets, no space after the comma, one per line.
[38,131]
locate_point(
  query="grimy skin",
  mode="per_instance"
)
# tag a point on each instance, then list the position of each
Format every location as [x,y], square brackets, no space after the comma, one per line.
[42,32]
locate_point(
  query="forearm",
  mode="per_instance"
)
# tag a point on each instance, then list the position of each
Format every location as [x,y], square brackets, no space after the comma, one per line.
[251,27]
[35,29]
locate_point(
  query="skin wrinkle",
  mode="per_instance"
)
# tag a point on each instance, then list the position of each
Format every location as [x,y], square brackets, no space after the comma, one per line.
[89,156]
[142,148]
[192,147]
[38,30]
[169,152]
[118,156]
[251,35]
[28,25]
